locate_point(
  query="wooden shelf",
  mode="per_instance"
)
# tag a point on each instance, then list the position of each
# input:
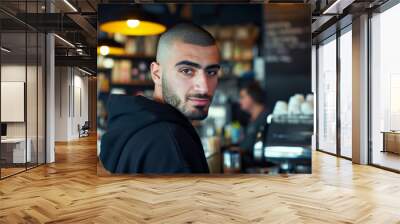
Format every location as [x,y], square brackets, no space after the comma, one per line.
[104,70]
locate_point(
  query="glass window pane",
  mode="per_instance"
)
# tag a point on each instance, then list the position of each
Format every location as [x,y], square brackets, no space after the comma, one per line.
[13,85]
[32,96]
[41,98]
[385,86]
[327,96]
[346,94]
[23,84]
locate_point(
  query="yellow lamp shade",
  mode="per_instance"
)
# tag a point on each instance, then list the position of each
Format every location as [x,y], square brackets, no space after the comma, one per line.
[133,27]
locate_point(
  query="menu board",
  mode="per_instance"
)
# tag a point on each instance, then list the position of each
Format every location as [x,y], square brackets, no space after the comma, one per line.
[287,50]
[287,33]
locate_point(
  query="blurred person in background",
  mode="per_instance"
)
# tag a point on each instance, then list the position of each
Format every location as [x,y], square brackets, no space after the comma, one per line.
[252,98]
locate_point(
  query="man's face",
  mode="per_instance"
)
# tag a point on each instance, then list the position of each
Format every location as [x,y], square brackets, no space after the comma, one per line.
[246,102]
[189,78]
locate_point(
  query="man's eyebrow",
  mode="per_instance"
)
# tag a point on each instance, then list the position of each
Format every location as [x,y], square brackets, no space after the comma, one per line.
[214,66]
[189,63]
[194,64]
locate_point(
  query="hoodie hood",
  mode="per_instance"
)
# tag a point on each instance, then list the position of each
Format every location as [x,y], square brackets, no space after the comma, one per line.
[129,114]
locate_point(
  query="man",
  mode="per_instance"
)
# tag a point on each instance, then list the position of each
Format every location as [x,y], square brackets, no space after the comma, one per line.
[252,102]
[156,136]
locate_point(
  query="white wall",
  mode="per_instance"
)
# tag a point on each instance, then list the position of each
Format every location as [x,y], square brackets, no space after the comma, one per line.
[61,103]
[81,84]
[12,73]
[71,93]
[33,127]
[12,101]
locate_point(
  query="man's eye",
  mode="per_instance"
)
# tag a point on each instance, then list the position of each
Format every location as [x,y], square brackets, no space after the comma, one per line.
[187,71]
[212,73]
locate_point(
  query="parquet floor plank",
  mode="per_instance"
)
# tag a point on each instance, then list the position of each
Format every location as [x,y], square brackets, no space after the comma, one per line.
[69,191]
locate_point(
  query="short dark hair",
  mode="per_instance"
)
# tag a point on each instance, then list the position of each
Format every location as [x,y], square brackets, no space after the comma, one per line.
[255,91]
[189,33]
[186,32]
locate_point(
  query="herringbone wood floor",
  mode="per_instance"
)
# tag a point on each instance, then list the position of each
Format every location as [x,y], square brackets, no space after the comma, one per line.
[69,191]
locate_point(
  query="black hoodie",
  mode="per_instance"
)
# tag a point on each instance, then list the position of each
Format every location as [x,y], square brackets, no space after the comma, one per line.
[145,136]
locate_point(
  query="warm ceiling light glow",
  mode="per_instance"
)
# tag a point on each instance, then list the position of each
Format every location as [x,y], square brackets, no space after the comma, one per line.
[108,63]
[5,50]
[64,40]
[110,50]
[133,23]
[104,50]
[142,28]
[70,5]
[84,71]
[110,47]
[337,7]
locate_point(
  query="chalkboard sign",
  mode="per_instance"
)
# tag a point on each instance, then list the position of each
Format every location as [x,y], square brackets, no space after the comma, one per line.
[287,50]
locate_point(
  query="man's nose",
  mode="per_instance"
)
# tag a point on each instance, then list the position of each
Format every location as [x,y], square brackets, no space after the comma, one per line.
[201,83]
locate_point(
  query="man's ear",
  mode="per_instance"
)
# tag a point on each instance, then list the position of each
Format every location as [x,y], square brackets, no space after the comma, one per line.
[155,70]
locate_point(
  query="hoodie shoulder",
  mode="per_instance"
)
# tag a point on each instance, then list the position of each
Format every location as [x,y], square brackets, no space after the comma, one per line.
[153,149]
[146,136]
[136,112]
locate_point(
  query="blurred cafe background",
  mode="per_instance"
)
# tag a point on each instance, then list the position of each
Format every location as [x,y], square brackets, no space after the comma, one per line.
[268,46]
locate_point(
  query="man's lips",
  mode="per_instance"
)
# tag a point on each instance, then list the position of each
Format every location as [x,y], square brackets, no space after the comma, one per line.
[199,101]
